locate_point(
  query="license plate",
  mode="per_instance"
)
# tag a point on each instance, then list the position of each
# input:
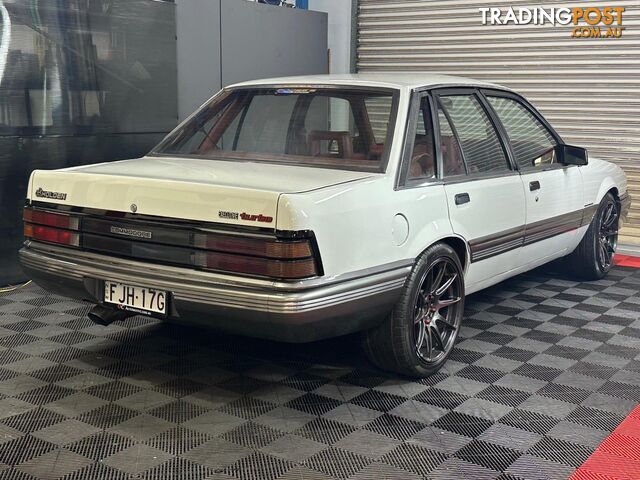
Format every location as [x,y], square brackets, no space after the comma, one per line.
[134,298]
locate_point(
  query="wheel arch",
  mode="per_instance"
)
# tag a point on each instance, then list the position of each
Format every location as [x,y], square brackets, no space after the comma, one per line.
[459,245]
[616,195]
[608,185]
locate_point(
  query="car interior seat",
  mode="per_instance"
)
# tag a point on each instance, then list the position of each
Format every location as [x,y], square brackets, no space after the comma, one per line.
[343,141]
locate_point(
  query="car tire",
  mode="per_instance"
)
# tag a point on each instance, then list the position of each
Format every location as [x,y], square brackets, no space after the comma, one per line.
[593,257]
[418,336]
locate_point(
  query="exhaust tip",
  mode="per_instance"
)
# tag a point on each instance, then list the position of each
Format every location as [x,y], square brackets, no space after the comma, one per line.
[103,315]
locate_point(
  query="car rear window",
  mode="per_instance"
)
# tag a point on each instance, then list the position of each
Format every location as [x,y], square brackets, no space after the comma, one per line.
[348,128]
[481,147]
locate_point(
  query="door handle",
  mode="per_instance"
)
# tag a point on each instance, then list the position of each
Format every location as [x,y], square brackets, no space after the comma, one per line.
[535,185]
[462,198]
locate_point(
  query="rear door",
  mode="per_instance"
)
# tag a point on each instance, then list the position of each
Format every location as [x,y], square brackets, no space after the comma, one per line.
[553,191]
[484,192]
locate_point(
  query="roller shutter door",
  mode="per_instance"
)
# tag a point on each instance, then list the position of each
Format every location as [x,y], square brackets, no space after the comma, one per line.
[589,89]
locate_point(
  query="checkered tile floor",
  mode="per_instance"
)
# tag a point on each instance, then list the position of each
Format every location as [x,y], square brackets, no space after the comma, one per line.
[545,369]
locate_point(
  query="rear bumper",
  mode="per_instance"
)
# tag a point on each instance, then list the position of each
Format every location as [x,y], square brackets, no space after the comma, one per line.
[295,312]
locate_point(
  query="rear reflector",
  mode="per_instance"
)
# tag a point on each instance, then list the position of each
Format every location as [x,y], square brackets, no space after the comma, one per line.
[51,235]
[286,270]
[59,220]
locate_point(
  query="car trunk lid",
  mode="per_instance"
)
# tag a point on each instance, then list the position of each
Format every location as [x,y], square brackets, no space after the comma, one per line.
[230,192]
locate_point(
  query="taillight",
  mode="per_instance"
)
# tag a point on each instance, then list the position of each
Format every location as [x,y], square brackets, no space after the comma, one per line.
[51,227]
[254,246]
[51,235]
[52,219]
[280,269]
[267,257]
[285,257]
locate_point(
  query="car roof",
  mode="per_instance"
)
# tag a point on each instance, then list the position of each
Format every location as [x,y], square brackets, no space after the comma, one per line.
[384,80]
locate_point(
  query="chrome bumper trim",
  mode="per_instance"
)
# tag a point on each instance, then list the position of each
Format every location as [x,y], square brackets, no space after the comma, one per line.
[216,289]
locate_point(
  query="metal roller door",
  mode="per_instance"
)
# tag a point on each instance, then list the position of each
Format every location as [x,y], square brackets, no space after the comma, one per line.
[589,89]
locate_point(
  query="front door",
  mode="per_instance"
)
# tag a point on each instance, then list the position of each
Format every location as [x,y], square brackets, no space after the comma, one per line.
[484,193]
[554,194]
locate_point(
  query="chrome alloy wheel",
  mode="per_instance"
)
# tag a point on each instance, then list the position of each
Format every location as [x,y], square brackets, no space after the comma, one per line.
[436,315]
[607,236]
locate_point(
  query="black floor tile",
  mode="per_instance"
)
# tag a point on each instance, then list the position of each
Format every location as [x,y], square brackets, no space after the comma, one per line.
[194,403]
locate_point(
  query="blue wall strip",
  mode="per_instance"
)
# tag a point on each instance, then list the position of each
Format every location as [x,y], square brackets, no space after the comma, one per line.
[304,4]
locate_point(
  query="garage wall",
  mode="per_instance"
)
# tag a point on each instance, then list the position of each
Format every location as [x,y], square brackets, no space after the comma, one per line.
[589,89]
[262,41]
[198,53]
[221,42]
[339,34]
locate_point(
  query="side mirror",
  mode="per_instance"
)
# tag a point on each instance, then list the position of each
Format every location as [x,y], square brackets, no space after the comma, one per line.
[570,155]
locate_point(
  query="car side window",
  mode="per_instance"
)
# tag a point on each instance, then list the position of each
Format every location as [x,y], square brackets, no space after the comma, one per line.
[481,147]
[422,161]
[452,161]
[532,143]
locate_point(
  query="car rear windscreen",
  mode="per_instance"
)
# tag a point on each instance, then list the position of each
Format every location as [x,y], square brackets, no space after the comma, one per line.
[339,127]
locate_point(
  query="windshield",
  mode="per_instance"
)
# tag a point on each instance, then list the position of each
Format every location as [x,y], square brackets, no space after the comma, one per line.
[325,127]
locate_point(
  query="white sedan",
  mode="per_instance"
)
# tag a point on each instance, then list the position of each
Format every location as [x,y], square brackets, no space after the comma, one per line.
[309,207]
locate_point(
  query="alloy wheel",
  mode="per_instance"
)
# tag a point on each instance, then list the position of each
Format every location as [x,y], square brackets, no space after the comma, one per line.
[608,236]
[437,311]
